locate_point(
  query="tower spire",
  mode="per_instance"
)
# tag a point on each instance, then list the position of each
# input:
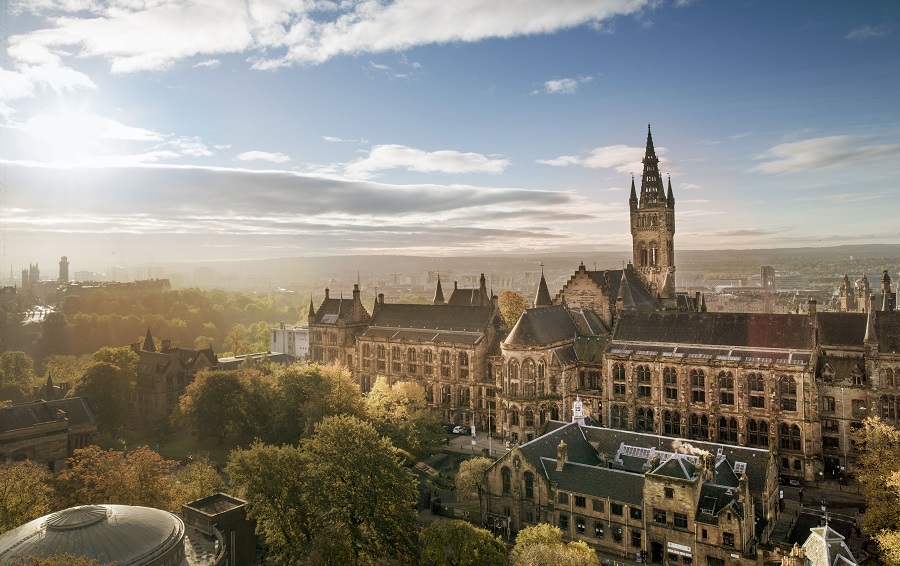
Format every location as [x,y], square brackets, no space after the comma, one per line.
[670,199]
[632,200]
[439,293]
[542,297]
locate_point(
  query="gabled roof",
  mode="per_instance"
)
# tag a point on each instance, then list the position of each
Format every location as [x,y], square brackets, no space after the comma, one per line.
[332,310]
[540,326]
[713,500]
[432,317]
[640,295]
[468,298]
[596,482]
[826,547]
[545,446]
[784,331]
[680,468]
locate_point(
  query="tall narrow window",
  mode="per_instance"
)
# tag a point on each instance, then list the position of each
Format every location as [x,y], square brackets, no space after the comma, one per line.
[726,388]
[757,386]
[670,382]
[698,386]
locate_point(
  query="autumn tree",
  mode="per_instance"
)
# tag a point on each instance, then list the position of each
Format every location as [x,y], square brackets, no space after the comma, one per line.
[66,368]
[542,544]
[399,412]
[196,480]
[16,375]
[878,470]
[56,560]
[458,543]
[25,493]
[468,479]
[109,393]
[139,477]
[512,305]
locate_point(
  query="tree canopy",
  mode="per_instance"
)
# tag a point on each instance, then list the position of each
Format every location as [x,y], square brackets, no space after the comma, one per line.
[458,543]
[25,493]
[468,478]
[542,544]
[399,412]
[213,404]
[512,305]
[16,375]
[878,470]
[108,389]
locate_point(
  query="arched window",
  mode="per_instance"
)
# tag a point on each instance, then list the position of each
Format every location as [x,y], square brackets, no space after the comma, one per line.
[429,393]
[445,357]
[505,480]
[529,485]
[412,367]
[463,359]
[726,388]
[445,394]
[670,382]
[513,417]
[513,370]
[643,378]
[654,250]
[757,433]
[888,407]
[395,352]
[618,376]
[787,387]
[672,423]
[619,417]
[757,386]
[728,430]
[887,377]
[367,351]
[541,369]
[427,356]
[464,396]
[381,352]
[698,386]
[790,437]
[528,378]
[645,420]
[699,427]
[643,256]
[529,417]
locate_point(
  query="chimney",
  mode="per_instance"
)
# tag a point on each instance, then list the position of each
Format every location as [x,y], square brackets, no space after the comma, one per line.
[135,347]
[326,292]
[562,454]
[811,308]
[709,467]
[380,298]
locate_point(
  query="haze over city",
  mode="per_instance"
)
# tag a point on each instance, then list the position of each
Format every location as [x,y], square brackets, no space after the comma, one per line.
[187,130]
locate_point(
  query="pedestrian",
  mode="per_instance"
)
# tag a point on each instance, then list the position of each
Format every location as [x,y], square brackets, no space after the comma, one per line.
[801,496]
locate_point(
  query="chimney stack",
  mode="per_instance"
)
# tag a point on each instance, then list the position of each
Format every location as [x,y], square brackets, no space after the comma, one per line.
[562,454]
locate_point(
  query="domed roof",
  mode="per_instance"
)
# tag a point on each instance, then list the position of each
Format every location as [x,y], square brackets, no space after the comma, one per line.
[122,534]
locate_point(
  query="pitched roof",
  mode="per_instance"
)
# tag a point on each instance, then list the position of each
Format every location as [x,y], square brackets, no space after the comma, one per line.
[713,500]
[545,325]
[332,310]
[640,295]
[826,547]
[26,415]
[848,329]
[468,298]
[596,482]
[545,445]
[542,297]
[748,330]
[432,317]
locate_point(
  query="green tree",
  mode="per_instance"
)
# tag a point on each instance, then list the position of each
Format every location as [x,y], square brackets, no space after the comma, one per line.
[25,493]
[878,470]
[357,481]
[457,543]
[213,404]
[512,305]
[272,481]
[399,412]
[237,339]
[54,334]
[468,479]
[542,544]
[66,369]
[57,560]
[16,376]
[307,394]
[123,358]
[196,480]
[109,393]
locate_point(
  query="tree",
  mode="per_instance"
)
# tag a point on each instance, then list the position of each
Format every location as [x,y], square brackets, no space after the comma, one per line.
[109,393]
[195,481]
[237,339]
[512,305]
[25,493]
[140,477]
[272,481]
[57,560]
[66,369]
[213,404]
[16,375]
[542,544]
[471,473]
[458,543]
[357,481]
[54,334]
[878,470]
[307,394]
[399,412]
[123,358]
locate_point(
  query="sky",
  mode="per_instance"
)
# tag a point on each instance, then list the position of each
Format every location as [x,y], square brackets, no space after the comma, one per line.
[136,131]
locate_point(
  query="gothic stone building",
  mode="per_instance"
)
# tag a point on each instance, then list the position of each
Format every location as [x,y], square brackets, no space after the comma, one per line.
[47,432]
[625,492]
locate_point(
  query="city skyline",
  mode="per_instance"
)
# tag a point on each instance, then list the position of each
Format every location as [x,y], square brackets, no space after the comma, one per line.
[190,130]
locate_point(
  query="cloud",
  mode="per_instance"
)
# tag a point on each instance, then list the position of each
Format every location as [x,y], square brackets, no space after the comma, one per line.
[273,157]
[563,86]
[840,198]
[689,186]
[208,64]
[391,156]
[332,139]
[862,33]
[823,154]
[248,210]
[142,36]
[622,158]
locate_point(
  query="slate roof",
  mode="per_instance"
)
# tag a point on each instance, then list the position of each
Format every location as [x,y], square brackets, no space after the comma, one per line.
[608,441]
[544,446]
[848,329]
[843,366]
[467,298]
[747,330]
[680,468]
[713,500]
[590,349]
[332,310]
[640,296]
[26,415]
[431,318]
[596,482]
[540,326]
[589,324]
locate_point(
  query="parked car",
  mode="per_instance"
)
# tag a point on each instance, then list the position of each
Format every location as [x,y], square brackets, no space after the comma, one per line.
[459,429]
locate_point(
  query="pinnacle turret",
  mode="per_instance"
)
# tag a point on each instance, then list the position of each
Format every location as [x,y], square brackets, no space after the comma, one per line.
[542,297]
[652,191]
[439,293]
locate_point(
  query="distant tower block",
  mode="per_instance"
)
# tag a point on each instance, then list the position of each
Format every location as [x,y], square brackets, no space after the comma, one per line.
[63,269]
[767,277]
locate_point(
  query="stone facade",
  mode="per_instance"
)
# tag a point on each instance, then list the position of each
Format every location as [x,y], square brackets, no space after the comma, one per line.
[625,493]
[47,432]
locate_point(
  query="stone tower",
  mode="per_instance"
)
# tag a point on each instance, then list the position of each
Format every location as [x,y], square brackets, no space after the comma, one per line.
[653,227]
[63,269]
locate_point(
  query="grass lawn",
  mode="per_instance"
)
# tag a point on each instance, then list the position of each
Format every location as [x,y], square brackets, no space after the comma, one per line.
[179,445]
